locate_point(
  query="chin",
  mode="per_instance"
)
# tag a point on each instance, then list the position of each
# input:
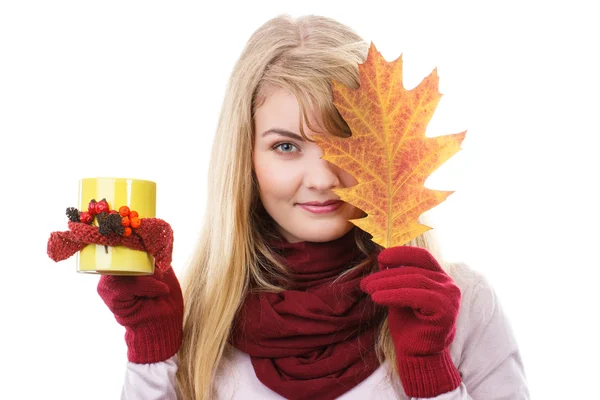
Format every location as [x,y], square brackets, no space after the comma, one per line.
[321,231]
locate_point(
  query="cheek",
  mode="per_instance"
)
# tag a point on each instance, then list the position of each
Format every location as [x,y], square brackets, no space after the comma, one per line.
[275,182]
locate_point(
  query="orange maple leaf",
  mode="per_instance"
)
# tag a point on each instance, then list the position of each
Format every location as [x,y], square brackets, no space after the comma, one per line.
[388,152]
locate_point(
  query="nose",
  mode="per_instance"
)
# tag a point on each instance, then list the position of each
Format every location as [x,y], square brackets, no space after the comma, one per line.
[321,175]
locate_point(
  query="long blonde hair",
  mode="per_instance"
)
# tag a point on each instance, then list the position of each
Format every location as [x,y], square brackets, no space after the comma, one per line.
[232,257]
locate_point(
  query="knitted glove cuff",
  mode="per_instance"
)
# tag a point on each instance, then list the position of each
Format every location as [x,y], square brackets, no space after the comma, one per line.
[154,342]
[428,376]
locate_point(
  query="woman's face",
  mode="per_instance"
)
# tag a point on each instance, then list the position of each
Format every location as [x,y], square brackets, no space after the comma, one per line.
[290,173]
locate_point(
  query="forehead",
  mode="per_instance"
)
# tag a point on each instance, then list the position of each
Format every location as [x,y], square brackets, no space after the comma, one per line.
[278,105]
[281,109]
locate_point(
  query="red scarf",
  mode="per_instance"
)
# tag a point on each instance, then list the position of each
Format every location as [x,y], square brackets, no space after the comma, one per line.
[315,340]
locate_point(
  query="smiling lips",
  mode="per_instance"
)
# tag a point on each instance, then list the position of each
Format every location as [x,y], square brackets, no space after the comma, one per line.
[321,208]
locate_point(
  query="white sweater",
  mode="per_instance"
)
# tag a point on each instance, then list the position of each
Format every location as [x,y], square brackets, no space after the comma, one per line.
[484,350]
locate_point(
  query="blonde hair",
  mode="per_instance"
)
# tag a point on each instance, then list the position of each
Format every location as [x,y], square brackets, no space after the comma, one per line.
[232,257]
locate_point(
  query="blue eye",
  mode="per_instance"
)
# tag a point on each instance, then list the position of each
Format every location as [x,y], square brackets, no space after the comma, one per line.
[286,147]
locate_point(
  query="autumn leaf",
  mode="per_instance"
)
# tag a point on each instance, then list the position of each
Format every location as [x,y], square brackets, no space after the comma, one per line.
[388,152]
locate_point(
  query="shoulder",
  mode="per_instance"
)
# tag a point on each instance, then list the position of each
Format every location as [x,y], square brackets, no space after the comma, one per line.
[482,325]
[485,349]
[478,297]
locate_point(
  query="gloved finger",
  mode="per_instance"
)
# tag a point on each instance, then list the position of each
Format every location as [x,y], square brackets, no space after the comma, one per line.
[126,288]
[398,256]
[148,286]
[424,302]
[170,278]
[402,271]
[432,281]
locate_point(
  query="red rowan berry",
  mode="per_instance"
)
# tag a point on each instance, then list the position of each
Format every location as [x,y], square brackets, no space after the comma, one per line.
[135,222]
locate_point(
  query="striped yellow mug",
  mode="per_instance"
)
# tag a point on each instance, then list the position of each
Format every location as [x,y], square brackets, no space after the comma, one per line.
[138,195]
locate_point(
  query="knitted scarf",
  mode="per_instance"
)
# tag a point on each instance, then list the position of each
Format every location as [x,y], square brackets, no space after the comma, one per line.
[316,339]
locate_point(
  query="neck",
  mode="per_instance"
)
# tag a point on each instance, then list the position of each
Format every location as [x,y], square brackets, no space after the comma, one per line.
[313,263]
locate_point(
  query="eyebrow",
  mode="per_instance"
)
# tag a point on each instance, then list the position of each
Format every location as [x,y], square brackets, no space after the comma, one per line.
[283,132]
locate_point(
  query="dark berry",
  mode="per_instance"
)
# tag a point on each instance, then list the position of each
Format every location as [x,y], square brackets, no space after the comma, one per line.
[73,214]
[101,217]
[114,220]
[104,230]
[119,230]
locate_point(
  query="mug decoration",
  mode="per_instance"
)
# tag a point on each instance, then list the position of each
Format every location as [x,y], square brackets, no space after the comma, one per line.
[101,225]
[120,222]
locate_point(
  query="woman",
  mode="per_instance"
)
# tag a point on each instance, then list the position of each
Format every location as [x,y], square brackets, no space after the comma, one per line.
[286,298]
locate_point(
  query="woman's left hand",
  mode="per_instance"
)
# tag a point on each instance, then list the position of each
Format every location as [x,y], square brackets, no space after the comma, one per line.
[423,303]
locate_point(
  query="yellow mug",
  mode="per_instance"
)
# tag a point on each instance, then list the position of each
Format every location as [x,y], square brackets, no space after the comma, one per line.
[139,195]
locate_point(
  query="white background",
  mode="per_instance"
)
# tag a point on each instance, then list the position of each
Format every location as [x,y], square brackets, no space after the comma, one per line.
[134,89]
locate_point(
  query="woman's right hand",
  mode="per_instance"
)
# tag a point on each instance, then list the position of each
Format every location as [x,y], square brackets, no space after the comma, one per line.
[149,307]
[151,310]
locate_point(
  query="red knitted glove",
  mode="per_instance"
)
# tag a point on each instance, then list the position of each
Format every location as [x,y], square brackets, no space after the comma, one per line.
[151,310]
[149,307]
[423,304]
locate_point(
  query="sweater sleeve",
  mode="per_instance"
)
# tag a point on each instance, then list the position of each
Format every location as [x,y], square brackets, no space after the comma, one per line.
[490,363]
[151,381]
